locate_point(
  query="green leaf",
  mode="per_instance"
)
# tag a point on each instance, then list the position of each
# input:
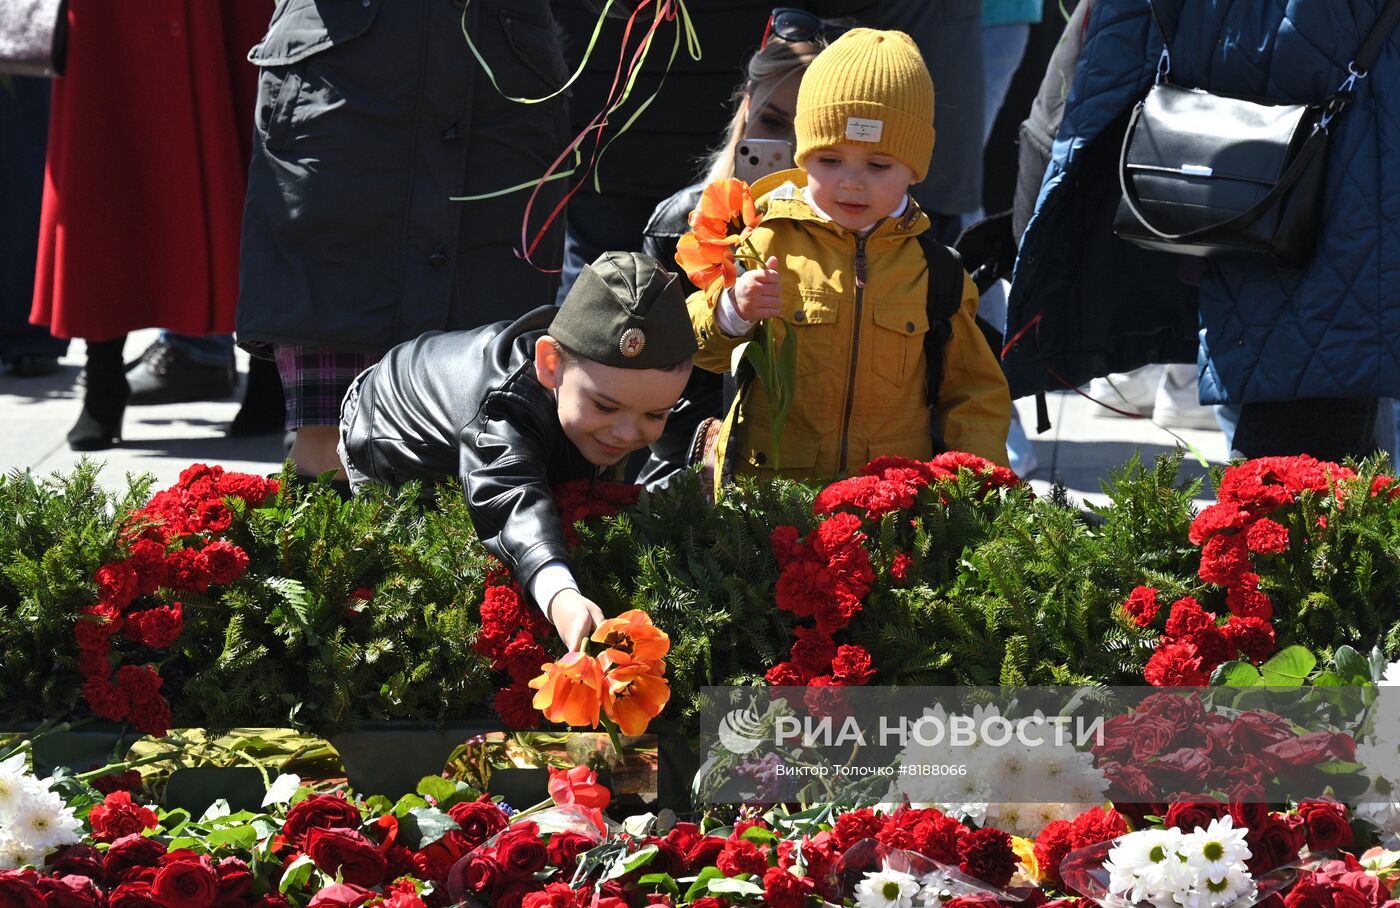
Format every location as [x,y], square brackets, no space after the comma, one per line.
[1235,674]
[423,826]
[1289,667]
[1329,679]
[240,836]
[701,886]
[407,803]
[293,593]
[626,863]
[1351,665]
[735,886]
[296,874]
[445,791]
[217,810]
[663,882]
[378,804]
[183,841]
[759,835]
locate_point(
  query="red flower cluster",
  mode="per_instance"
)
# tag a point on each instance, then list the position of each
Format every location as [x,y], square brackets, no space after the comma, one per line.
[1170,749]
[174,546]
[823,578]
[511,637]
[889,484]
[583,499]
[1060,837]
[1339,884]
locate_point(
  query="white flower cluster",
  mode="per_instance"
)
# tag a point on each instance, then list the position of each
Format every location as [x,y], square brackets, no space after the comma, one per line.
[1171,869]
[1380,755]
[1004,783]
[891,888]
[33,819]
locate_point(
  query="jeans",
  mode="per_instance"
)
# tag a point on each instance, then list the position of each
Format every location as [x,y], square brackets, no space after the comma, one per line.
[209,350]
[1328,428]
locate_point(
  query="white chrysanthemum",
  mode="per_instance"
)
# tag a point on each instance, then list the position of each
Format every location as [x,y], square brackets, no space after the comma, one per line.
[44,822]
[1147,866]
[15,854]
[1217,892]
[1217,850]
[13,779]
[887,889]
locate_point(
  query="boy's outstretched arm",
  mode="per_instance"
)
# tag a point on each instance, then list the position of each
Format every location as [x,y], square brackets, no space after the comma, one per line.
[974,403]
[503,470]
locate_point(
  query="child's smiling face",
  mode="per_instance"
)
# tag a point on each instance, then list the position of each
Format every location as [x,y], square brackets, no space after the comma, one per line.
[855,185]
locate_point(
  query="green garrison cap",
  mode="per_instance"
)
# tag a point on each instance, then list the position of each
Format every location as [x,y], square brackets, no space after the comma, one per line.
[626,310]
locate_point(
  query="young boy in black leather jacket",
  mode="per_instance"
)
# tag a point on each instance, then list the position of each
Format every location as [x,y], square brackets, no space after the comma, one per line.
[516,407]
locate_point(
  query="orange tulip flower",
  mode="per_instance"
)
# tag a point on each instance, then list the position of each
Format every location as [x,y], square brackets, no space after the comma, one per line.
[635,694]
[709,266]
[570,690]
[632,634]
[726,213]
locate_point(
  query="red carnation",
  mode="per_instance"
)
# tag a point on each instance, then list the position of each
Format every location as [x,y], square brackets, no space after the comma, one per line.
[851,665]
[106,699]
[899,567]
[515,705]
[117,584]
[784,674]
[252,489]
[855,825]
[1175,665]
[523,657]
[987,855]
[1054,842]
[212,516]
[1141,605]
[139,682]
[1254,637]
[1223,560]
[1267,536]
[152,716]
[224,561]
[1245,599]
[188,571]
[1218,518]
[785,890]
[118,816]
[159,627]
[1187,619]
[741,856]
[97,624]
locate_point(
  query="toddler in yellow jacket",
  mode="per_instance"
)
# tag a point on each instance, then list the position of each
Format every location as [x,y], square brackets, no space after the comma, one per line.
[845,272]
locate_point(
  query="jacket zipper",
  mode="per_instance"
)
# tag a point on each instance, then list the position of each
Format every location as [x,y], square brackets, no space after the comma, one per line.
[855,354]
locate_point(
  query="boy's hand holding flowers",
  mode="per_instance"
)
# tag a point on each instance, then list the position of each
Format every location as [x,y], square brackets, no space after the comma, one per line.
[574,617]
[758,293]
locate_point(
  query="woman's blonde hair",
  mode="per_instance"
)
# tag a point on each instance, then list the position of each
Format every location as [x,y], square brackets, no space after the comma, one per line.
[768,68]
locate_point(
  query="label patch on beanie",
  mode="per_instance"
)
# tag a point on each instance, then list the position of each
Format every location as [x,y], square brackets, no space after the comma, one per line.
[859,129]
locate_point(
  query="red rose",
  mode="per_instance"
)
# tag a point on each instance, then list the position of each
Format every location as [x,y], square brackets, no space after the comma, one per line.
[117,584]
[521,854]
[1273,843]
[135,894]
[1141,605]
[186,883]
[152,716]
[131,852]
[703,853]
[70,892]
[741,856]
[707,901]
[319,812]
[340,895]
[578,785]
[986,854]
[1252,731]
[1308,750]
[118,816]
[272,900]
[1347,897]
[482,874]
[1327,826]
[235,879]
[106,699]
[1151,736]
[784,890]
[349,853]
[565,847]
[78,860]
[19,889]
[161,626]
[1188,815]
[556,895]
[512,895]
[479,820]
[224,561]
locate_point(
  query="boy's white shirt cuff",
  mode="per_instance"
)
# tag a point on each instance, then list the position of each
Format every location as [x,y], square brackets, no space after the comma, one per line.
[549,581]
[728,317]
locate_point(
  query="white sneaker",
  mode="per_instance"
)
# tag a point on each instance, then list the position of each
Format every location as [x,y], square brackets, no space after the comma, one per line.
[1135,391]
[1020,452]
[1178,403]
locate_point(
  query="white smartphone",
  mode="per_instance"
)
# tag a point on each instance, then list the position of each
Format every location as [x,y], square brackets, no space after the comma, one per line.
[757,158]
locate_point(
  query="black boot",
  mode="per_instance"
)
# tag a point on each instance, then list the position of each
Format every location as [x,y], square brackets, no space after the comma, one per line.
[104,399]
[264,410]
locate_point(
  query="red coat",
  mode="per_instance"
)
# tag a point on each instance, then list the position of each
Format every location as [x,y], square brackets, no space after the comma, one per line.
[148,152]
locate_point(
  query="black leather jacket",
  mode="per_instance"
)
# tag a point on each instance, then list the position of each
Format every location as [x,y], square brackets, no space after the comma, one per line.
[468,402]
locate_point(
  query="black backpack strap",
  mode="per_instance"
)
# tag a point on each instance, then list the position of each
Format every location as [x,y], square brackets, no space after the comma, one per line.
[945,286]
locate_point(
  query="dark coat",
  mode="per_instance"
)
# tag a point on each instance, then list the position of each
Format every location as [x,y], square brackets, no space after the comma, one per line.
[467,404]
[1084,303]
[371,116]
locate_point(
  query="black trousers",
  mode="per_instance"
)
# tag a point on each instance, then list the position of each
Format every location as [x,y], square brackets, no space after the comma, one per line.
[1328,428]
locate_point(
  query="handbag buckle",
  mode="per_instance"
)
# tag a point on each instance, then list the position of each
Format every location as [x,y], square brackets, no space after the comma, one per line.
[1164,66]
[1342,98]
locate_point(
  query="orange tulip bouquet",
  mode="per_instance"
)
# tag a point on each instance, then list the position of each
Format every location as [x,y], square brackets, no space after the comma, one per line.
[622,688]
[710,255]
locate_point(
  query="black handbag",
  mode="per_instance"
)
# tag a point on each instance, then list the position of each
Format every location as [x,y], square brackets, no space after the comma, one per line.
[1212,175]
[33,37]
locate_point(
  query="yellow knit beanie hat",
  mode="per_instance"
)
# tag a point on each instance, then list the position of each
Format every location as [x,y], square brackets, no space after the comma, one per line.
[871,87]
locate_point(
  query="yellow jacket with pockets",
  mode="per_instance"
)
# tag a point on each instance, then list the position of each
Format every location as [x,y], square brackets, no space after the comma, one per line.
[860,308]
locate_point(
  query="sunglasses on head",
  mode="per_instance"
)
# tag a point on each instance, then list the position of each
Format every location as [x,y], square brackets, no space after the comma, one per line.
[787,24]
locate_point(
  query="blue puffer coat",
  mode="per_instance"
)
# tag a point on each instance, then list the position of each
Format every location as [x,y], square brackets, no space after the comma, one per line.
[1084,303]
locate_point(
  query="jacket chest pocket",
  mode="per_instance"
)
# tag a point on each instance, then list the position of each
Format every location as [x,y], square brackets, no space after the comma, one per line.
[814,317]
[897,341]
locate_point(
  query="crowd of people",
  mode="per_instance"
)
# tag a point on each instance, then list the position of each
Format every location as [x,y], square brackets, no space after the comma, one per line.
[360,202]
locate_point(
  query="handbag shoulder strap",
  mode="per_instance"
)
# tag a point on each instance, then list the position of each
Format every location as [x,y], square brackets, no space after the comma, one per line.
[1380,33]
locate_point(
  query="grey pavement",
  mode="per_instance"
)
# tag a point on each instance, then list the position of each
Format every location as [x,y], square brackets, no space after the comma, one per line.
[1080,449]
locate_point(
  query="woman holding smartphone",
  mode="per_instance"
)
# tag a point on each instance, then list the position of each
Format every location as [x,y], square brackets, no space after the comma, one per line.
[758,141]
